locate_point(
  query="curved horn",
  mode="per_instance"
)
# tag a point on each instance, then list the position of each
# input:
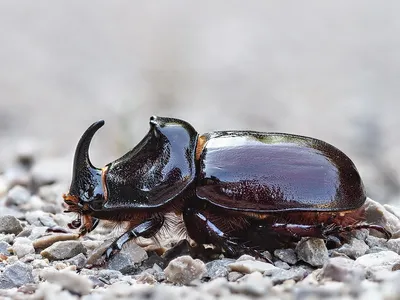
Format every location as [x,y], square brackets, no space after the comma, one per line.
[85,176]
[81,159]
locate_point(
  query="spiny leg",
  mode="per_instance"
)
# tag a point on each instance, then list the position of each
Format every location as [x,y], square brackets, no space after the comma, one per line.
[201,229]
[145,229]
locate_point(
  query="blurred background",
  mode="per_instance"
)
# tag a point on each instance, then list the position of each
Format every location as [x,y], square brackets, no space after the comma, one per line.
[327,69]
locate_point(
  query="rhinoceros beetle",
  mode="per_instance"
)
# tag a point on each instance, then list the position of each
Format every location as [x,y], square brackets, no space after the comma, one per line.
[236,190]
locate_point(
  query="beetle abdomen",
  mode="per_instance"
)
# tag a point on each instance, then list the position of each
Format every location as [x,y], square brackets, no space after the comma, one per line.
[269,172]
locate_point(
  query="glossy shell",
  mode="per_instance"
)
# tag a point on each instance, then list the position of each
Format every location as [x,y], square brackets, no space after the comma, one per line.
[157,170]
[270,172]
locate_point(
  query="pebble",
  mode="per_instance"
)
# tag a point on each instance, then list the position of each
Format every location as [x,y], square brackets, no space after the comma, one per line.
[10,224]
[295,273]
[4,246]
[47,241]
[69,281]
[286,255]
[233,276]
[63,250]
[22,246]
[184,269]
[123,263]
[354,249]
[250,266]
[16,275]
[40,218]
[18,195]
[79,260]
[312,251]
[374,262]
[343,270]
[218,268]
[254,285]
[281,264]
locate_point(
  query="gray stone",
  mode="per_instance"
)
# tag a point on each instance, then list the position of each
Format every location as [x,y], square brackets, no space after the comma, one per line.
[11,211]
[286,255]
[312,251]
[343,270]
[233,276]
[184,269]
[354,249]
[22,246]
[40,218]
[8,238]
[377,214]
[250,266]
[295,273]
[79,260]
[18,195]
[68,280]
[10,224]
[218,268]
[123,263]
[4,248]
[63,250]
[281,265]
[110,274]
[374,262]
[254,285]
[16,275]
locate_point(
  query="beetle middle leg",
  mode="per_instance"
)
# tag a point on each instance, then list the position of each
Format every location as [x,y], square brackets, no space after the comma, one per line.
[208,228]
[145,229]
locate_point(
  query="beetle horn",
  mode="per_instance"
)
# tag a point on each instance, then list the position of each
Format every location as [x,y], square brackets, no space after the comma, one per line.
[84,173]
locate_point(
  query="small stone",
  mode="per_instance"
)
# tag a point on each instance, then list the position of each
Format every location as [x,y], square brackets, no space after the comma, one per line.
[250,266]
[10,224]
[22,246]
[376,213]
[8,238]
[312,251]
[146,277]
[184,269]
[35,203]
[68,280]
[47,290]
[79,260]
[40,218]
[294,273]
[343,270]
[254,285]
[246,257]
[4,248]
[374,262]
[47,241]
[63,250]
[354,249]
[16,275]
[11,211]
[286,255]
[18,195]
[110,274]
[281,265]
[52,193]
[233,276]
[218,268]
[123,263]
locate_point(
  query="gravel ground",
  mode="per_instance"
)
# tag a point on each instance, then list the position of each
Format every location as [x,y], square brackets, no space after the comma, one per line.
[40,261]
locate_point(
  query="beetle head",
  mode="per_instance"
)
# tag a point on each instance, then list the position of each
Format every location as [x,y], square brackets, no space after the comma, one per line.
[86,193]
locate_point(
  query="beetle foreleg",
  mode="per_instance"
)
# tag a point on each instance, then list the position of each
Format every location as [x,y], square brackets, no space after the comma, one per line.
[146,229]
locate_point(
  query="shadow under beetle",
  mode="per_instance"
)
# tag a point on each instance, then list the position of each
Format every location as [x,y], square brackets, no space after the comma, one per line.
[237,190]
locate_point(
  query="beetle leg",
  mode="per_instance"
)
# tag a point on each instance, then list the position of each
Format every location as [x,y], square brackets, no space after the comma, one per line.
[334,230]
[146,229]
[201,229]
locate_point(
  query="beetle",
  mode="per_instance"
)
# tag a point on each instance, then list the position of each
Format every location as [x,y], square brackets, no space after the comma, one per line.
[236,190]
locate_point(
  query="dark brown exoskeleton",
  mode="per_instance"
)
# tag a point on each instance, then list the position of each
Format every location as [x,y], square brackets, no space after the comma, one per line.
[237,190]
